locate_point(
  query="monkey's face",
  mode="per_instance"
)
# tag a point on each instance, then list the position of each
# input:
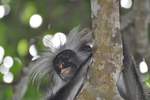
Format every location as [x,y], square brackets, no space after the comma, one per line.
[67,62]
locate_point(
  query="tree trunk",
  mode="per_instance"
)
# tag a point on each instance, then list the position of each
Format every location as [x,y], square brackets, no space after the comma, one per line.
[108,56]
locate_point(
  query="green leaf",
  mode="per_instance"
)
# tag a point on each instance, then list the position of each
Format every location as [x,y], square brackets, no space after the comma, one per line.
[22,47]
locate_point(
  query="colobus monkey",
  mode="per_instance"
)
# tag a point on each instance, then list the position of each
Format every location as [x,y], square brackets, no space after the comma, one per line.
[67,65]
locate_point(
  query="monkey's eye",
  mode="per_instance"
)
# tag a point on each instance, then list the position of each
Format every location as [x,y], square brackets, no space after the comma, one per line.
[86,48]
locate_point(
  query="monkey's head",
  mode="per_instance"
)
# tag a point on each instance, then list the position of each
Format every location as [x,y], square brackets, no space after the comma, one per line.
[67,63]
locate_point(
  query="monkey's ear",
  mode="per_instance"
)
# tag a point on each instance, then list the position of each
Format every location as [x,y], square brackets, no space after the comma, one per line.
[73,37]
[73,33]
[77,37]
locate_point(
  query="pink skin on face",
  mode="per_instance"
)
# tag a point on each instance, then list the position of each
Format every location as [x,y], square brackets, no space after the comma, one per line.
[65,71]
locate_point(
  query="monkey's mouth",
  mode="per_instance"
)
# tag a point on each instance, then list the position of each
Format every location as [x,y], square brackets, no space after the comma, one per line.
[66,72]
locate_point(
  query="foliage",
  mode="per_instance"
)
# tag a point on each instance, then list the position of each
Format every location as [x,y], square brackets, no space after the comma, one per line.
[16,35]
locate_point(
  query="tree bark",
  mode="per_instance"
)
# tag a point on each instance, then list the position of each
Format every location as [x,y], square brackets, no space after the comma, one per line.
[108,56]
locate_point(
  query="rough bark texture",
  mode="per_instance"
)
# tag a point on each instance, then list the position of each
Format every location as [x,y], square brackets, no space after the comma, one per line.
[108,56]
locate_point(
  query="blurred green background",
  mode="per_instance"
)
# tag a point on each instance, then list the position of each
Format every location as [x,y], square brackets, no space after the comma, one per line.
[18,31]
